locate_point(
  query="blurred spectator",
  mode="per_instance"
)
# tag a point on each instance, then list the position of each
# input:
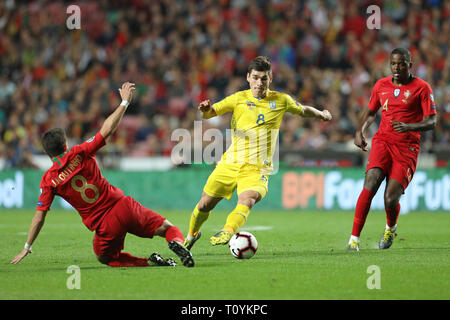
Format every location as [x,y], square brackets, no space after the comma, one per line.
[181,52]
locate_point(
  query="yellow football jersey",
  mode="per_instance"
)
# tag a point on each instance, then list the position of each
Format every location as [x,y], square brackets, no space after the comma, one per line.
[255,125]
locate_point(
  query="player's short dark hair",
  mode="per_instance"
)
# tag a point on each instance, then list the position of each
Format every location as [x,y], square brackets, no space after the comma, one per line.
[54,141]
[403,52]
[260,63]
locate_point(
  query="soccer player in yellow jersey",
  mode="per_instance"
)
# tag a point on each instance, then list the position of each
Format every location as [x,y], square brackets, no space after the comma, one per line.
[245,166]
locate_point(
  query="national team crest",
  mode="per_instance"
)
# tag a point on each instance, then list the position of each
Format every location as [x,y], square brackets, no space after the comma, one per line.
[396,92]
[407,93]
[272,105]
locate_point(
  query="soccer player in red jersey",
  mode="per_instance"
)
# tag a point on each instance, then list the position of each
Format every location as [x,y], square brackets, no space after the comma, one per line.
[407,107]
[76,177]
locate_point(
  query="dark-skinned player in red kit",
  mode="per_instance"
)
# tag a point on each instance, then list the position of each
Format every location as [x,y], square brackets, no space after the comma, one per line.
[407,108]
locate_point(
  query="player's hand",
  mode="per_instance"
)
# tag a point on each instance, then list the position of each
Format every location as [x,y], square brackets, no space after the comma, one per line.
[326,115]
[360,141]
[126,92]
[20,256]
[204,106]
[400,126]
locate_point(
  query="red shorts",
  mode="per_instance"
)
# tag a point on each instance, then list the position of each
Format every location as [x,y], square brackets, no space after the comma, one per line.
[398,161]
[127,216]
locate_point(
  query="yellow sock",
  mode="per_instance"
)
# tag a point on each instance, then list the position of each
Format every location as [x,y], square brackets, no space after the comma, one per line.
[197,219]
[236,218]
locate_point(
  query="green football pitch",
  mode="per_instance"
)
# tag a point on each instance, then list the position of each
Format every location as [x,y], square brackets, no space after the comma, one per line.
[301,255]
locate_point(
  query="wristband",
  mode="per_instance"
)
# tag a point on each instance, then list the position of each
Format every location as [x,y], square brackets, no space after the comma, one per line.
[124,103]
[27,246]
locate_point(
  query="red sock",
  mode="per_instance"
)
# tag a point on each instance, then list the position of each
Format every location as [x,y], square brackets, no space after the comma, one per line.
[392,215]
[173,233]
[127,260]
[361,211]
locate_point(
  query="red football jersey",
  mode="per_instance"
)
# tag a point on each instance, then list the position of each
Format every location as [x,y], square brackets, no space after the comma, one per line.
[408,103]
[76,177]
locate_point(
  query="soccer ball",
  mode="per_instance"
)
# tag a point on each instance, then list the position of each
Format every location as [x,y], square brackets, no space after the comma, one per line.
[243,245]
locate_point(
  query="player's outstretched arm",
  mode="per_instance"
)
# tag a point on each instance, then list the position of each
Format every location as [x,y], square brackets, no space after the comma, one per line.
[367,119]
[112,122]
[205,107]
[311,112]
[35,227]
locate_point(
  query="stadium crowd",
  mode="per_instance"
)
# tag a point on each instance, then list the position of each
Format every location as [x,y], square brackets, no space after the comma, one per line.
[181,52]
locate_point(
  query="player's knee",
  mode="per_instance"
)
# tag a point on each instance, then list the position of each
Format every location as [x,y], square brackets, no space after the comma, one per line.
[373,179]
[161,230]
[206,204]
[249,202]
[390,201]
[104,259]
[249,198]
[166,224]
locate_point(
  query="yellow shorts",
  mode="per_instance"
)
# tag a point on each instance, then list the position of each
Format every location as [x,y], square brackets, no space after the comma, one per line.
[227,177]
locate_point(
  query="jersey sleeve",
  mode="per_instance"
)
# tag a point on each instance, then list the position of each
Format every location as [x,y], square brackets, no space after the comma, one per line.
[226,105]
[427,101]
[92,145]
[293,106]
[46,197]
[374,101]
